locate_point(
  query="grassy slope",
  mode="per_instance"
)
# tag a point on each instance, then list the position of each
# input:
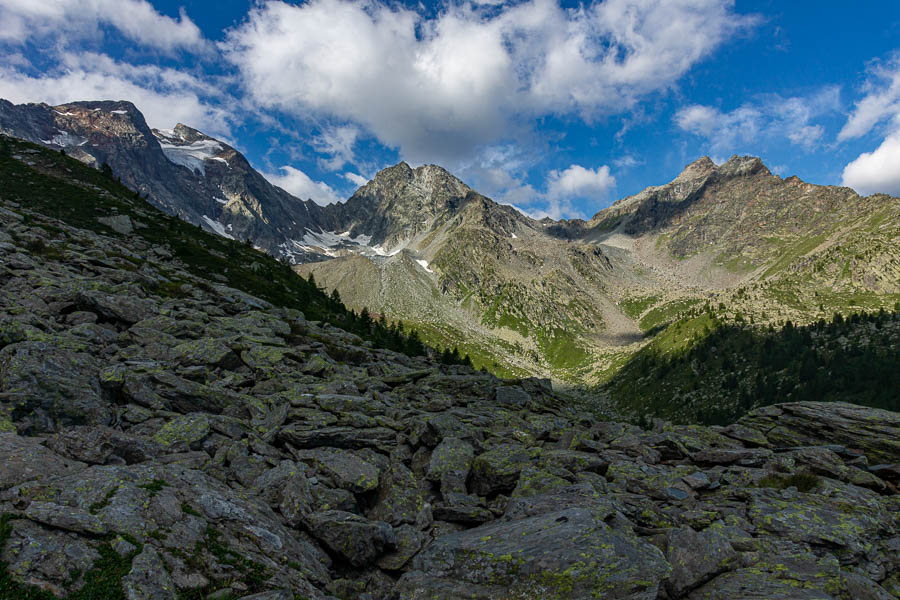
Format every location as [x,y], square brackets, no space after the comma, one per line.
[64,189]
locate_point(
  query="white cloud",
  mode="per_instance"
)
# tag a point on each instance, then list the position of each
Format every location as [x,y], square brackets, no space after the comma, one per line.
[770,117]
[877,171]
[355,178]
[137,20]
[298,183]
[578,182]
[881,101]
[338,143]
[439,88]
[165,96]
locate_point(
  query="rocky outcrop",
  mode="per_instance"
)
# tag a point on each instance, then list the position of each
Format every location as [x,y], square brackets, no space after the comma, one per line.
[208,443]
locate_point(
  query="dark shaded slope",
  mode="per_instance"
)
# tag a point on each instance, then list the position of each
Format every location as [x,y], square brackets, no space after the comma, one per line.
[731,368]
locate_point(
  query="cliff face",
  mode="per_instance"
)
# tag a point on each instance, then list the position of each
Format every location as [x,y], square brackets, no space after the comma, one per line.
[181,171]
[174,426]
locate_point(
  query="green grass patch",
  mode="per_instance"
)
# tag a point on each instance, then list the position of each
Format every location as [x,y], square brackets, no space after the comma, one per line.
[790,253]
[804,481]
[666,312]
[102,582]
[635,307]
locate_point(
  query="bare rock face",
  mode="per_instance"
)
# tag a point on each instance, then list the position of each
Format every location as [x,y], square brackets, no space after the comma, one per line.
[196,440]
[182,171]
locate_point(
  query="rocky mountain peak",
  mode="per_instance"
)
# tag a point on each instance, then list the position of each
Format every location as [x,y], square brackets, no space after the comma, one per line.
[702,167]
[738,166]
[182,134]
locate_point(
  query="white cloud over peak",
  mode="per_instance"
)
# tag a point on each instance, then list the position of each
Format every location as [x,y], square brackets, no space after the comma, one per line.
[877,171]
[165,96]
[60,20]
[355,178]
[298,183]
[769,117]
[439,88]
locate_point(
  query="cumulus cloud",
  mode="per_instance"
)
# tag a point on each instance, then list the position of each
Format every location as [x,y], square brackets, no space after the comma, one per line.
[137,20]
[878,111]
[877,171]
[578,182]
[770,117]
[438,88]
[165,96]
[298,183]
[881,102]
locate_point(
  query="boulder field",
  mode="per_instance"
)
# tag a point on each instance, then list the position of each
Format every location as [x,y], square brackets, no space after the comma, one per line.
[208,444]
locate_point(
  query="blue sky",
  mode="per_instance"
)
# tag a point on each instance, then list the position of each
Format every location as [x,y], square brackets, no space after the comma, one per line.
[557,109]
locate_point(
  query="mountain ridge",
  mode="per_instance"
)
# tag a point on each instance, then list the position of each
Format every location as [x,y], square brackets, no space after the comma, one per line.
[571,300]
[180,418]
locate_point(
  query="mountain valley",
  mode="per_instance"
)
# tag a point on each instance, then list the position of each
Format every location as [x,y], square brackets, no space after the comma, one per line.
[578,301]
[185,418]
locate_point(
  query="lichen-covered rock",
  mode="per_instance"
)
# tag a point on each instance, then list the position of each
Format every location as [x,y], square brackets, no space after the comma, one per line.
[350,438]
[148,578]
[450,464]
[25,459]
[874,431]
[815,519]
[400,497]
[354,538]
[46,557]
[212,352]
[185,430]
[697,557]
[47,387]
[569,554]
[498,469]
[346,470]
[100,445]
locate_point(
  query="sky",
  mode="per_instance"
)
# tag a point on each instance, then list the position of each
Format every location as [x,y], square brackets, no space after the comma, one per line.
[557,109]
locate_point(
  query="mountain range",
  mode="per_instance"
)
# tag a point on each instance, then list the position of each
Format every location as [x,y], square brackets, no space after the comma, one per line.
[183,418]
[574,300]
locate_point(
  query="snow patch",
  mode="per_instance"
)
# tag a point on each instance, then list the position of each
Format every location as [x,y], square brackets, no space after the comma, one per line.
[380,251]
[65,114]
[221,201]
[65,139]
[514,236]
[217,227]
[193,155]
[119,112]
[328,239]
[424,265]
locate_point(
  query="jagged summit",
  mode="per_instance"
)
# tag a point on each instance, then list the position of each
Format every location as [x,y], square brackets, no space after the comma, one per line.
[738,166]
[702,167]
